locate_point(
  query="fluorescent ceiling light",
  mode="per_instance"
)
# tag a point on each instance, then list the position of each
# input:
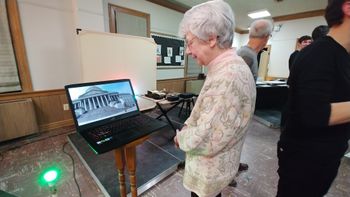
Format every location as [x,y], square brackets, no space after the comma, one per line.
[259,14]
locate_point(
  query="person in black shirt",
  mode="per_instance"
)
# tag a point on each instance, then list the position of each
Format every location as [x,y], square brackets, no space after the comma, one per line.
[303,41]
[317,128]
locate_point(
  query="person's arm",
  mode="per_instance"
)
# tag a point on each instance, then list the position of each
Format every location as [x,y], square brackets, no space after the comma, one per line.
[312,92]
[340,113]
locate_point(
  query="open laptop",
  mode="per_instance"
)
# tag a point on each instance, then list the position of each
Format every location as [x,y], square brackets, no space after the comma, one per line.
[106,114]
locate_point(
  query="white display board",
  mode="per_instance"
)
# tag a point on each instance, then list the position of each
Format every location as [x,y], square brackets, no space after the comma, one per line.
[106,56]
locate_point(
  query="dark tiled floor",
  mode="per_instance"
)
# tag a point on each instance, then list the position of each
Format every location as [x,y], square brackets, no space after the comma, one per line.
[21,166]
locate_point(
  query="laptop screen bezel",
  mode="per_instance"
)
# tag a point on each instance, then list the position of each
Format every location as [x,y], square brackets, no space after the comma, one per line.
[104,121]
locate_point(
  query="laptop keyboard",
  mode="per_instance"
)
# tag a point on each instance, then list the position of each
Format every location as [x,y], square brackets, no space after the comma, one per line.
[121,127]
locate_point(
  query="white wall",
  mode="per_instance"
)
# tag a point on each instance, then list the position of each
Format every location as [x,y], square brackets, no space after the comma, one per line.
[283,42]
[243,39]
[52,49]
[162,19]
[237,40]
[50,36]
[50,42]
[89,15]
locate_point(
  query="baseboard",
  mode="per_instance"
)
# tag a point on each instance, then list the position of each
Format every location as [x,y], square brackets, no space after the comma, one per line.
[56,125]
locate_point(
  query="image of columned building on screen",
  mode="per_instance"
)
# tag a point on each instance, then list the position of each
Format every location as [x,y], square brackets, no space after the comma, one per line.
[99,102]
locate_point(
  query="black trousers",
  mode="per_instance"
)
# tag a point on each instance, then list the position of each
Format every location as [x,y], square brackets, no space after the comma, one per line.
[307,168]
[195,195]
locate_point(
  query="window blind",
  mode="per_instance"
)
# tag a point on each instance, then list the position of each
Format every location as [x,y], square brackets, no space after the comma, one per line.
[9,79]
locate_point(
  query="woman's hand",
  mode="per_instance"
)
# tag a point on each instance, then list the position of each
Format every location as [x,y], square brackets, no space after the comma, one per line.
[175,139]
[176,142]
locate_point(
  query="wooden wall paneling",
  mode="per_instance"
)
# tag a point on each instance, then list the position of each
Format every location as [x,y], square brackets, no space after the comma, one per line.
[300,15]
[48,106]
[38,110]
[53,109]
[173,85]
[53,116]
[23,95]
[66,114]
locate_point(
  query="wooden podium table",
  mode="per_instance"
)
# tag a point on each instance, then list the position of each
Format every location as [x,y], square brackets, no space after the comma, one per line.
[126,155]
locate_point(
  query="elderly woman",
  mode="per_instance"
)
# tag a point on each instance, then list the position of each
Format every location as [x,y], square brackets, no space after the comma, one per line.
[213,135]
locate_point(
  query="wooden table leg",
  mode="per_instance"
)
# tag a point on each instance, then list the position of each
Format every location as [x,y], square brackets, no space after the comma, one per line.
[119,159]
[130,156]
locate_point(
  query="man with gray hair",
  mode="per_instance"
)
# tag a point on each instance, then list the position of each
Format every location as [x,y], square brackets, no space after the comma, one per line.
[259,33]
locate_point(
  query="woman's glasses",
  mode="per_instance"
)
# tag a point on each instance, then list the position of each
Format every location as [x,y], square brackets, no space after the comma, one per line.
[190,42]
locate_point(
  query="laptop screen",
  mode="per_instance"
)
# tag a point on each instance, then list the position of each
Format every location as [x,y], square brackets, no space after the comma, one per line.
[101,101]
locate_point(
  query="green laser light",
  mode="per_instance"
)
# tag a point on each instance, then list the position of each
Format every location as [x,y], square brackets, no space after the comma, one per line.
[50,176]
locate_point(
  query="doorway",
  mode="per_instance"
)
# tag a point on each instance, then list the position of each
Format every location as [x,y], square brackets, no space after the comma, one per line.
[264,63]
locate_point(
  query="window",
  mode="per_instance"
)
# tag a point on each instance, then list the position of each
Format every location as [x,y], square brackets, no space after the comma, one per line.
[127,21]
[14,71]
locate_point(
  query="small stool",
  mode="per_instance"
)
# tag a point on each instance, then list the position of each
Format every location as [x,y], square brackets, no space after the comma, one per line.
[187,98]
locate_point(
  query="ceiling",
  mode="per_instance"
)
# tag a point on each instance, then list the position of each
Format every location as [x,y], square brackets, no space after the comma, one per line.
[277,8]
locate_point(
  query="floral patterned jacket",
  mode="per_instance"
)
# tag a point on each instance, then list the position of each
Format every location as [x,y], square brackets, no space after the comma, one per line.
[215,131]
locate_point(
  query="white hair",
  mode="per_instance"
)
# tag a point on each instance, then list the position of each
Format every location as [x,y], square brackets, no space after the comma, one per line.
[260,28]
[212,18]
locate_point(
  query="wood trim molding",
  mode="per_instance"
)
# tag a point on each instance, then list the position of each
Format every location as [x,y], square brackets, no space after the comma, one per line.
[170,5]
[18,45]
[56,125]
[241,31]
[176,79]
[299,15]
[164,34]
[23,95]
[112,22]
[170,67]
[48,107]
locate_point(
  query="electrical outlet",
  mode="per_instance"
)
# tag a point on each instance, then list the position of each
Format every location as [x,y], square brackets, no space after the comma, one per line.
[65,107]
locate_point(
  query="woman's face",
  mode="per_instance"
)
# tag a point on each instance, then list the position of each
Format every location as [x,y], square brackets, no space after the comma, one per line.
[305,43]
[197,48]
